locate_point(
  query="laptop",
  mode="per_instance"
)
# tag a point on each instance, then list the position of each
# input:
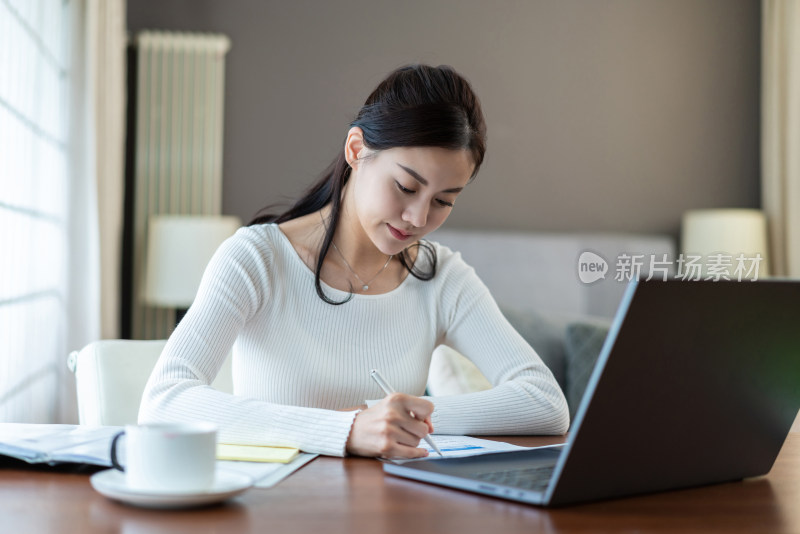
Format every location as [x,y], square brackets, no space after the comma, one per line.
[697,383]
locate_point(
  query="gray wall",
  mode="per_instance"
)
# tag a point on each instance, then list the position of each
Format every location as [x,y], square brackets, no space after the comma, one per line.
[607,115]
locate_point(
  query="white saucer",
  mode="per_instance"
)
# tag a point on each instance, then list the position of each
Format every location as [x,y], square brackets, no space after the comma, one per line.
[111,483]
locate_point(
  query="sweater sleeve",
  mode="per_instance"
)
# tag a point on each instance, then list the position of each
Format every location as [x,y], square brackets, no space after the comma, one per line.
[525,397]
[234,286]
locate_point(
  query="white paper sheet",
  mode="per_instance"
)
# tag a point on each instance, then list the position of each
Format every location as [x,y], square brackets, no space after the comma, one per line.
[458,446]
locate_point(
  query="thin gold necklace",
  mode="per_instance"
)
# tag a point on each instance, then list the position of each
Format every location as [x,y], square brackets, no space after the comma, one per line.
[364,285]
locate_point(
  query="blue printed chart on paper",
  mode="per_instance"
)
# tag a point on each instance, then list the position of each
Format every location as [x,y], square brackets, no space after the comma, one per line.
[458,446]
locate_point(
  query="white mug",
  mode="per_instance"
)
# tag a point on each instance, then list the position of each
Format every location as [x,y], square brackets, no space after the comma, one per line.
[168,457]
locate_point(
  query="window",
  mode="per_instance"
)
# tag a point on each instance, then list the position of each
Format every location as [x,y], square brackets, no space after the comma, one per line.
[34,200]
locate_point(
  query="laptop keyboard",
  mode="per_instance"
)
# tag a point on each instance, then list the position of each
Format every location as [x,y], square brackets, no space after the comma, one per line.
[531,478]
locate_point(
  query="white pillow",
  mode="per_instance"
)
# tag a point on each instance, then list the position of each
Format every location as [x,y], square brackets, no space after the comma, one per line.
[452,374]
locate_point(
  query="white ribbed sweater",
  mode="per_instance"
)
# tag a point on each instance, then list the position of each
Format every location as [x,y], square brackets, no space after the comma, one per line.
[297,359]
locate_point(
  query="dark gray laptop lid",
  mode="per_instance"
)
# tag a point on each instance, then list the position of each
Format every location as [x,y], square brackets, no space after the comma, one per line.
[698,383]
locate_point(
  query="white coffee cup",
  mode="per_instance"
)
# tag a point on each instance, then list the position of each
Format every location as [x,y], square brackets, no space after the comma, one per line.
[168,457]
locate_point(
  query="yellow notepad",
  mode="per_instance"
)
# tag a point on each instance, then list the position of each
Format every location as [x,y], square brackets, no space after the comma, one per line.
[256,453]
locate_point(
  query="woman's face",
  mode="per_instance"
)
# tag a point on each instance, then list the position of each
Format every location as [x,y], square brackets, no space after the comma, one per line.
[402,194]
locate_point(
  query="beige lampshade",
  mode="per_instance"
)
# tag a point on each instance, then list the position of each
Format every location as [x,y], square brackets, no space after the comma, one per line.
[178,249]
[726,232]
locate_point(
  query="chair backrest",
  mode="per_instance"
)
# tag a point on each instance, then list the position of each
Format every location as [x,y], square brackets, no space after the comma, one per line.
[110,377]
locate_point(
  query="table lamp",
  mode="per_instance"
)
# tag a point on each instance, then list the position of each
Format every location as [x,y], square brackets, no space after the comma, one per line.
[718,235]
[178,249]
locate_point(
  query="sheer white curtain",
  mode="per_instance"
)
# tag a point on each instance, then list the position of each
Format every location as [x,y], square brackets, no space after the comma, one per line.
[49,176]
[780,132]
[100,128]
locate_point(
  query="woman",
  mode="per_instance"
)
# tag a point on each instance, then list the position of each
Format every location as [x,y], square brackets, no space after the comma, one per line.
[342,283]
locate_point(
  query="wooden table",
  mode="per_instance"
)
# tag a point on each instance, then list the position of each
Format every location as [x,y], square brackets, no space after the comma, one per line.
[352,495]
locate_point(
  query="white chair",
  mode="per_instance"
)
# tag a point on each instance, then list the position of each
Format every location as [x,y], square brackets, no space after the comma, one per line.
[110,377]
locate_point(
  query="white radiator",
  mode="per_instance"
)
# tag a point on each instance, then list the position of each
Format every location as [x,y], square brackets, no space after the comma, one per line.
[178,146]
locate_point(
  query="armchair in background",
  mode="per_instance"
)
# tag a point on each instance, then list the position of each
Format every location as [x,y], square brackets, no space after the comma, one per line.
[110,377]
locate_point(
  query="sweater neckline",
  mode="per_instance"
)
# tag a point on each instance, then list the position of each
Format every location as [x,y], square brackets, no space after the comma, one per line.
[292,253]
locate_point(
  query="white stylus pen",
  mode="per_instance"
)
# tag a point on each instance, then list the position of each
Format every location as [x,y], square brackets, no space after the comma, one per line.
[384,385]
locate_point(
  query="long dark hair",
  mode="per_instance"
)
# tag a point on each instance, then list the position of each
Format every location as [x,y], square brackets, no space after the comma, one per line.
[415,106]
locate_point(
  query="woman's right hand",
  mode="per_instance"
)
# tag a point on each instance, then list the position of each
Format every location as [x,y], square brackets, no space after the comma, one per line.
[392,428]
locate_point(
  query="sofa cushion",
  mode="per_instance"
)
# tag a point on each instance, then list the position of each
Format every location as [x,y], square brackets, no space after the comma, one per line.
[451,373]
[582,345]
